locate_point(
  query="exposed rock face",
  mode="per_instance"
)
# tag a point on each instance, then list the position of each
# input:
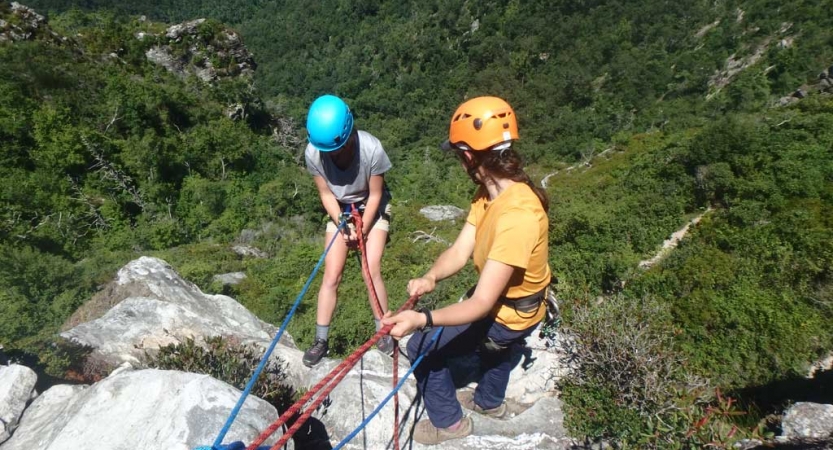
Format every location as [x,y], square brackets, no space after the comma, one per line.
[201,48]
[17,387]
[20,23]
[441,212]
[138,409]
[535,425]
[808,420]
[150,305]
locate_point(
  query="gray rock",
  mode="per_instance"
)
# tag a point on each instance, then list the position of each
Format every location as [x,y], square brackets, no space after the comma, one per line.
[746,444]
[441,212]
[161,55]
[245,250]
[17,388]
[808,420]
[538,426]
[176,31]
[787,100]
[139,409]
[226,47]
[26,23]
[230,278]
[155,307]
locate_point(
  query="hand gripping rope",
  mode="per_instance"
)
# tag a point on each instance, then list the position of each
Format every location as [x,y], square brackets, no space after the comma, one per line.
[384,401]
[217,442]
[335,376]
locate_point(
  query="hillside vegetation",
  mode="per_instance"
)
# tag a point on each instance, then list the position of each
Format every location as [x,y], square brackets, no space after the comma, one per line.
[640,115]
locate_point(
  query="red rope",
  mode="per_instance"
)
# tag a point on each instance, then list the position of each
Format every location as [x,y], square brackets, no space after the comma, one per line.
[368,279]
[395,395]
[336,375]
[377,305]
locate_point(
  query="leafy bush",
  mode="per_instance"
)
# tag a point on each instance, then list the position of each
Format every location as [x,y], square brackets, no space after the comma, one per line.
[631,386]
[228,361]
[626,345]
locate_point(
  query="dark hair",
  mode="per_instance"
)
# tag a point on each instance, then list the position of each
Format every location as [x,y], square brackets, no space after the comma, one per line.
[508,164]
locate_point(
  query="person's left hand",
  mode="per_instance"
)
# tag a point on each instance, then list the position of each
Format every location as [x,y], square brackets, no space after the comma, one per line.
[404,322]
[350,237]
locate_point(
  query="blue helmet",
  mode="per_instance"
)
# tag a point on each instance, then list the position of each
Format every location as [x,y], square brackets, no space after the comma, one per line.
[329,123]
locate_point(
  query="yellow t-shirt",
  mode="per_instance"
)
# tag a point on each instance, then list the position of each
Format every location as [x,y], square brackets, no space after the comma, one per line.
[513,229]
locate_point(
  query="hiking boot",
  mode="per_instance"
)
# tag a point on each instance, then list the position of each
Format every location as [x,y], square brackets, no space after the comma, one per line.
[466,398]
[385,345]
[427,434]
[316,353]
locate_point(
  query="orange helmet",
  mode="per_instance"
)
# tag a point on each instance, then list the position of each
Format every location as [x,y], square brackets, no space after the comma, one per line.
[482,123]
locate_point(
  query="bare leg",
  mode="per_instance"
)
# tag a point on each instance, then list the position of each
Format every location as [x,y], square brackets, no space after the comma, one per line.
[375,246]
[333,268]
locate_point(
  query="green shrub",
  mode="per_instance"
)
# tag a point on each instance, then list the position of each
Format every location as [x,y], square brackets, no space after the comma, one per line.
[228,361]
[631,386]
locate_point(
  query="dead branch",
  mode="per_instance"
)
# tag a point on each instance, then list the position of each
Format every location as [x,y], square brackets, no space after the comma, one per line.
[422,236]
[108,171]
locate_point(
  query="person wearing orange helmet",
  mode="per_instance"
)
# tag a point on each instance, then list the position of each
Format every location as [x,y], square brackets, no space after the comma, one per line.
[506,235]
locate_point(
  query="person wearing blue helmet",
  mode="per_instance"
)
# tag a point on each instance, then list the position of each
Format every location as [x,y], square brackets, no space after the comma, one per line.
[348,166]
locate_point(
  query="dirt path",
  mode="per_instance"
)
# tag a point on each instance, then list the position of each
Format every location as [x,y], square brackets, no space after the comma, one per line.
[672,242]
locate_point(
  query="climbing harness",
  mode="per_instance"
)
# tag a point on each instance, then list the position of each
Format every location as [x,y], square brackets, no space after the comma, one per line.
[551,322]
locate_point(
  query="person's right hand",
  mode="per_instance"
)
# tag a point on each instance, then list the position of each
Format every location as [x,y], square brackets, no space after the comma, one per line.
[423,285]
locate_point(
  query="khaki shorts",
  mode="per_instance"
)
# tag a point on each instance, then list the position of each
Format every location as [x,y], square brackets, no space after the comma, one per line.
[382,221]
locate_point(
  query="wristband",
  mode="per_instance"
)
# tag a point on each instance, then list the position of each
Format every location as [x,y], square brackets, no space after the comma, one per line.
[429,321]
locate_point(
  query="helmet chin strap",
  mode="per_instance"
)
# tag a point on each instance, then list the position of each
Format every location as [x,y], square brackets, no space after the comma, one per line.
[471,169]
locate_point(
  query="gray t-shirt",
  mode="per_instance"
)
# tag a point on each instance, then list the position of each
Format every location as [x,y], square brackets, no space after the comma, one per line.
[351,185]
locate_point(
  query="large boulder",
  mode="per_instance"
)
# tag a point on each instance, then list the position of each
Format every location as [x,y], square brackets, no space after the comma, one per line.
[151,306]
[145,409]
[808,420]
[17,388]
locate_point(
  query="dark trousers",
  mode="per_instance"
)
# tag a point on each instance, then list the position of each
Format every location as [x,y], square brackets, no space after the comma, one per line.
[433,376]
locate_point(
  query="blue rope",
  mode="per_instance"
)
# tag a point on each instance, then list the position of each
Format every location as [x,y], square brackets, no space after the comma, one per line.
[236,445]
[217,443]
[394,391]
